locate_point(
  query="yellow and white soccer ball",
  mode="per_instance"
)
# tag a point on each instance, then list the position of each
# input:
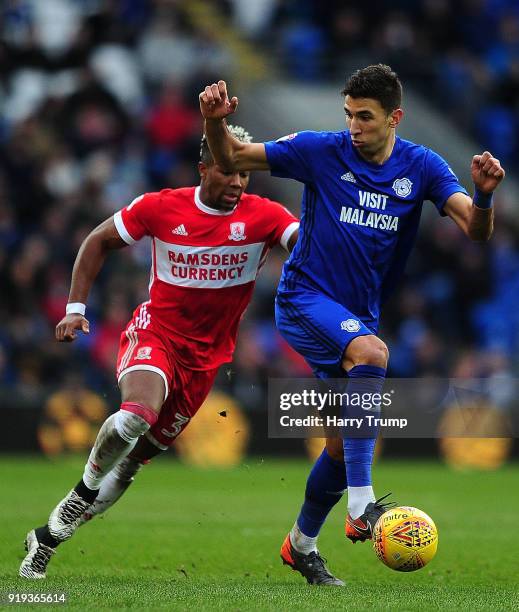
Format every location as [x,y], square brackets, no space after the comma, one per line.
[405,538]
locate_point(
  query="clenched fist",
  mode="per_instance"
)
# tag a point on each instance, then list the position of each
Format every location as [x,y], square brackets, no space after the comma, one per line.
[486,172]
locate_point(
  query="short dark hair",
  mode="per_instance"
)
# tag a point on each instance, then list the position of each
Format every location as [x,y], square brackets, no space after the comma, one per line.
[236,130]
[377,82]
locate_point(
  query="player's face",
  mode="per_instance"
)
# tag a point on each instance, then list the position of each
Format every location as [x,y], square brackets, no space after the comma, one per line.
[220,189]
[370,126]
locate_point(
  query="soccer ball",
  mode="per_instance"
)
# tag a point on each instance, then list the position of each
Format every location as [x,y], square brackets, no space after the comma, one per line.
[405,538]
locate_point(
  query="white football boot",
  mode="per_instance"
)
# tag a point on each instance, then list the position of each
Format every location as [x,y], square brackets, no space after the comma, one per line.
[66,516]
[38,556]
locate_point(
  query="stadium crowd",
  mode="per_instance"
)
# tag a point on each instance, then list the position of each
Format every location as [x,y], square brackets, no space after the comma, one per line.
[100,104]
[463,53]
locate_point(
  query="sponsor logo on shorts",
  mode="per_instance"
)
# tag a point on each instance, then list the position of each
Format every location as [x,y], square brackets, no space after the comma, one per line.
[402,187]
[144,353]
[350,325]
[237,231]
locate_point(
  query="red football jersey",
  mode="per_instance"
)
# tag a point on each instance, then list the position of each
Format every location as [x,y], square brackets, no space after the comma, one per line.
[204,265]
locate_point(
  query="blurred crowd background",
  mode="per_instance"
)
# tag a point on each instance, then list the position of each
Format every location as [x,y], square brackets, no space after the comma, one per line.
[99,103]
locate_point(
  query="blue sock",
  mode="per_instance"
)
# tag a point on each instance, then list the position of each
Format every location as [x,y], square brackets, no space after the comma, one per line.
[324,488]
[358,452]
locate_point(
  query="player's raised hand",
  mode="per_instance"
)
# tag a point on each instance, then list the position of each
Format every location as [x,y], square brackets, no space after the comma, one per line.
[215,103]
[67,327]
[486,172]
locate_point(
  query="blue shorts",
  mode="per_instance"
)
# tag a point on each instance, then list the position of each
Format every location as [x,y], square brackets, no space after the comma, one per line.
[318,328]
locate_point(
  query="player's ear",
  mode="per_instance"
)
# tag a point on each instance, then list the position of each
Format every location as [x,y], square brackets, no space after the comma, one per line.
[202,169]
[395,117]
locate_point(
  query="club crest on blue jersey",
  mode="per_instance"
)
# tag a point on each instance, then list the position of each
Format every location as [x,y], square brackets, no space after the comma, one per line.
[350,325]
[237,231]
[402,187]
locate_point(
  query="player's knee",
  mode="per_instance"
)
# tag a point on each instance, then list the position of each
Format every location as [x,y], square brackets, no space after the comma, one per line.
[335,448]
[143,388]
[366,350]
[133,420]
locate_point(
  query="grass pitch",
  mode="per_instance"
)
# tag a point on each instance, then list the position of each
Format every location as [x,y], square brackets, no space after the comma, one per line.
[184,539]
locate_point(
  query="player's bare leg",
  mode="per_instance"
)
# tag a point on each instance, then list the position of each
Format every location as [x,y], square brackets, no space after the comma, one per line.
[121,477]
[143,393]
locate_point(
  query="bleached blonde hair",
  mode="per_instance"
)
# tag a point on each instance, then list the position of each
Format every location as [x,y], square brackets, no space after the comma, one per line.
[237,131]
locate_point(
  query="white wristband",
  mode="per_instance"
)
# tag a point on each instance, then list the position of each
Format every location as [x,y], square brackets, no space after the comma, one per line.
[75,308]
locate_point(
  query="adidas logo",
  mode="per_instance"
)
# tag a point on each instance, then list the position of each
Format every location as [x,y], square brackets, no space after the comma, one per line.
[180,230]
[349,177]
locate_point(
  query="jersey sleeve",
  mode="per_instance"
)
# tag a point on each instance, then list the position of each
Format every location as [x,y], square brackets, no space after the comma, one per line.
[135,220]
[280,223]
[441,182]
[293,156]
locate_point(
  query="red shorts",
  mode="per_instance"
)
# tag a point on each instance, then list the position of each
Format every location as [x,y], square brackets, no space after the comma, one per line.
[186,390]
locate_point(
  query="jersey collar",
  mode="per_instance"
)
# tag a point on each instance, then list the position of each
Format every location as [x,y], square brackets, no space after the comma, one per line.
[389,161]
[207,209]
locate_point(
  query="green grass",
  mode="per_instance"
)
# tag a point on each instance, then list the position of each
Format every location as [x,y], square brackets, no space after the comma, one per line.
[188,539]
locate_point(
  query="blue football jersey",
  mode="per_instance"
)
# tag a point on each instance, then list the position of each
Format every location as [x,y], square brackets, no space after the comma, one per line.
[358,219]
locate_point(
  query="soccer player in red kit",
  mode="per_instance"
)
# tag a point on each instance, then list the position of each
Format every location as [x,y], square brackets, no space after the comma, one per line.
[208,243]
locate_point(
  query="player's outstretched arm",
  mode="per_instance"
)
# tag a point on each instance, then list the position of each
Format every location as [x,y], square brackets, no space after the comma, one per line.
[89,261]
[228,152]
[475,216]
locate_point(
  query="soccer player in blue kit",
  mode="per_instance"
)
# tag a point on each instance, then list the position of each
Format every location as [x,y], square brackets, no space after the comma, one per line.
[363,196]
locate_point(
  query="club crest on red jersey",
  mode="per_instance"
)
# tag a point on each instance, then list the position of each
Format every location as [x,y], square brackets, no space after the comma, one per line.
[237,231]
